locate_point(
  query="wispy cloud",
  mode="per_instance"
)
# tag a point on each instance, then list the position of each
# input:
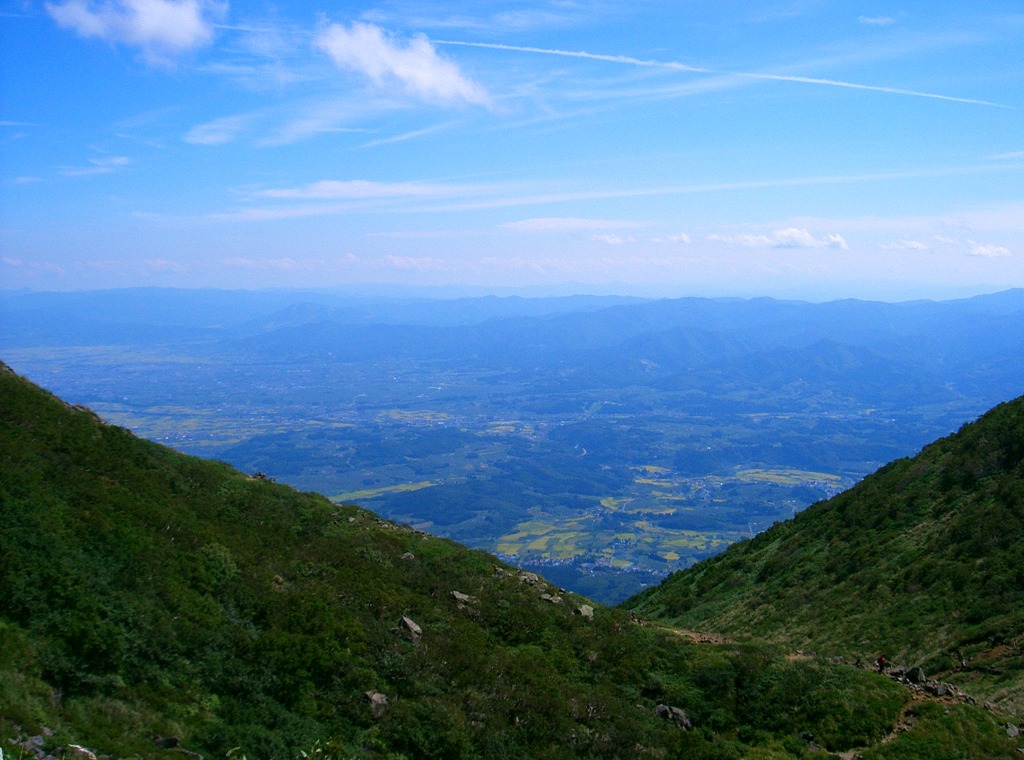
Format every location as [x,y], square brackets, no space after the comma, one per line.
[414,65]
[682,67]
[322,117]
[44,267]
[876,20]
[613,239]
[104,165]
[157,27]
[986,251]
[358,189]
[790,237]
[905,245]
[219,131]
[682,237]
[329,197]
[409,135]
[344,196]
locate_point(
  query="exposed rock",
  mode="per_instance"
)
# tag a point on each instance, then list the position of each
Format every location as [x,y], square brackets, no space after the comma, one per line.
[408,628]
[75,750]
[1012,731]
[464,598]
[408,556]
[674,714]
[916,675]
[531,579]
[585,611]
[378,703]
[554,599]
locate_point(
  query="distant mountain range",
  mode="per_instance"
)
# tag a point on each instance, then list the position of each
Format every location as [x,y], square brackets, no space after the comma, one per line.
[157,604]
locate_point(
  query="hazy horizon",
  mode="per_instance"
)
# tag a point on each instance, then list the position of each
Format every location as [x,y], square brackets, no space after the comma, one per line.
[554,291]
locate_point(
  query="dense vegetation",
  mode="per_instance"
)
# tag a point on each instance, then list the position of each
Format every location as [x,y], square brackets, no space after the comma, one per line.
[147,593]
[923,560]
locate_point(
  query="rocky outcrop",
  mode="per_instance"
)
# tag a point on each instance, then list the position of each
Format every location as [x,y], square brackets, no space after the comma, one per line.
[675,715]
[378,703]
[530,579]
[408,628]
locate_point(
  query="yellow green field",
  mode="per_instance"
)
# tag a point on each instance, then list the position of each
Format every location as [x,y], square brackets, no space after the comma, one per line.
[369,493]
[785,477]
[419,415]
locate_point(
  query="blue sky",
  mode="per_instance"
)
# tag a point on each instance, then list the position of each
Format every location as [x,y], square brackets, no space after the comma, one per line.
[799,148]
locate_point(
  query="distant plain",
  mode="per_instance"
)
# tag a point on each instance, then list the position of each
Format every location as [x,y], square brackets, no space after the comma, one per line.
[605,441]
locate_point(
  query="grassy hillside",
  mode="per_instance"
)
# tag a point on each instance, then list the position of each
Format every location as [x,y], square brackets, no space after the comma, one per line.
[148,594]
[924,560]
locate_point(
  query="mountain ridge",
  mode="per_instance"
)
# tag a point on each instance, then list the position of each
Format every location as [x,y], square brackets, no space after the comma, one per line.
[153,594]
[923,560]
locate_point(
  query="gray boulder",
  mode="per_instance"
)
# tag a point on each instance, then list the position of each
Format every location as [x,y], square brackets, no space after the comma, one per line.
[407,627]
[916,675]
[585,611]
[674,714]
[378,703]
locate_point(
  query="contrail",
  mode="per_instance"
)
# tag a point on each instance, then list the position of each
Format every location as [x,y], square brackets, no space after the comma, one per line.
[675,66]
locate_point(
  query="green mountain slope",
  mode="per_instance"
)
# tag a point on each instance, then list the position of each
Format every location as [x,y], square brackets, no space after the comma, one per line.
[148,594]
[924,561]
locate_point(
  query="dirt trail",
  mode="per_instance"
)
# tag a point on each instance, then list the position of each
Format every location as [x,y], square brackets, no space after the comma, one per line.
[698,637]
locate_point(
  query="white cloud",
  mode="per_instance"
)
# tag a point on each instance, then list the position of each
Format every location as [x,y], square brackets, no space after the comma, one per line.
[986,251]
[566,224]
[612,239]
[155,26]
[877,20]
[682,237]
[218,131]
[415,65]
[790,237]
[1012,156]
[906,245]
